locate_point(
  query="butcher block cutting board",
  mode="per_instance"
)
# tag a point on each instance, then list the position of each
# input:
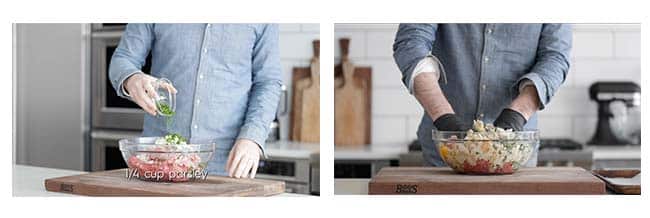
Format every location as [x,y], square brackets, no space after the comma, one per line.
[115,183]
[442,180]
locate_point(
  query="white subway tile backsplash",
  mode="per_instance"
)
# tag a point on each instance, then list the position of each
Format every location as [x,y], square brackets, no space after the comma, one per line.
[297,45]
[570,101]
[627,44]
[310,27]
[592,70]
[289,27]
[357,44]
[555,126]
[385,73]
[592,44]
[394,102]
[380,44]
[388,129]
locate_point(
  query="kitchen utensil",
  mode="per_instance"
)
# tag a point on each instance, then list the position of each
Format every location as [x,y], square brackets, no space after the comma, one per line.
[442,180]
[152,161]
[621,181]
[115,183]
[305,117]
[606,93]
[274,134]
[351,102]
[486,156]
[165,100]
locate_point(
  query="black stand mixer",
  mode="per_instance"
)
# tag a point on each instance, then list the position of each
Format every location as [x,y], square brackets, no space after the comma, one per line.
[604,93]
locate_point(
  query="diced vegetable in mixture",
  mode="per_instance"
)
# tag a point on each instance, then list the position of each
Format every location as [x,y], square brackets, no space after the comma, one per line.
[486,150]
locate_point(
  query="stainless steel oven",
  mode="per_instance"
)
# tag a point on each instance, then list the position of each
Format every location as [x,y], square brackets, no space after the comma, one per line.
[109,110]
[112,117]
[295,172]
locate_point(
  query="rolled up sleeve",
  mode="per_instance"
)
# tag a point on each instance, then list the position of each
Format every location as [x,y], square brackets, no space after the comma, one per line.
[266,87]
[552,62]
[130,55]
[413,43]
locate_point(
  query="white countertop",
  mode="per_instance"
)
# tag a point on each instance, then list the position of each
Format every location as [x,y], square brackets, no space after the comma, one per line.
[30,181]
[351,186]
[621,152]
[291,149]
[372,152]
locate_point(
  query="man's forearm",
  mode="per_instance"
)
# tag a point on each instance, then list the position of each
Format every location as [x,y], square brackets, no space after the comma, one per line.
[428,93]
[527,102]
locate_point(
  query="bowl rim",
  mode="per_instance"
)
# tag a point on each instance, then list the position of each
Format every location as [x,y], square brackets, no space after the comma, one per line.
[127,145]
[434,133]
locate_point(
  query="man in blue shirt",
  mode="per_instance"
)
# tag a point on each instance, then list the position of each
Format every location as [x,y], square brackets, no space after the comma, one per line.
[498,73]
[227,77]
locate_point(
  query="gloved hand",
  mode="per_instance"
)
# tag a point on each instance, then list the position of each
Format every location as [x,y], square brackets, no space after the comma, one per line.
[243,159]
[510,119]
[450,122]
[140,88]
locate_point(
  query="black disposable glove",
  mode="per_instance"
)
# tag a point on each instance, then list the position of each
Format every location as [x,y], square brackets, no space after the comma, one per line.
[450,122]
[510,119]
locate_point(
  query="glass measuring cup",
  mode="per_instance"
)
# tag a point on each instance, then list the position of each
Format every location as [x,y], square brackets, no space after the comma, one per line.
[164,98]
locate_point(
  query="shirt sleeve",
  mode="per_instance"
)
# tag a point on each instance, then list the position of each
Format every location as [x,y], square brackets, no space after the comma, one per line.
[429,64]
[266,88]
[130,55]
[413,43]
[552,62]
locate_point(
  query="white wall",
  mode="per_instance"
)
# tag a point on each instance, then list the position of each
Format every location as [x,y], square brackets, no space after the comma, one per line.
[295,51]
[600,52]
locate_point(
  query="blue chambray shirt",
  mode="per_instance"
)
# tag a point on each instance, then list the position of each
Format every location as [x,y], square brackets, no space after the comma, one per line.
[482,67]
[228,78]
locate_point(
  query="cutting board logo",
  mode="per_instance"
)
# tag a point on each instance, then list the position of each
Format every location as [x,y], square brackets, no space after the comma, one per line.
[406,189]
[66,187]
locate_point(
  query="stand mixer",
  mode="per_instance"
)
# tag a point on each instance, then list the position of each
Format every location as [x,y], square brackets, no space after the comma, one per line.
[605,94]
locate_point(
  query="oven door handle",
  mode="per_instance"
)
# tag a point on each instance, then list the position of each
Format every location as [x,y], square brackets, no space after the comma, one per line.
[113,135]
[107,35]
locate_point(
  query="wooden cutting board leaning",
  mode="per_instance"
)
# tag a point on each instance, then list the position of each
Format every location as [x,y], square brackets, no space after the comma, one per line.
[305,112]
[352,102]
[442,180]
[115,183]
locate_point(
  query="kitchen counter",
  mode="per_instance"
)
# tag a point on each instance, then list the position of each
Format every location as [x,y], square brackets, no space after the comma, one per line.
[291,149]
[371,152]
[623,152]
[29,181]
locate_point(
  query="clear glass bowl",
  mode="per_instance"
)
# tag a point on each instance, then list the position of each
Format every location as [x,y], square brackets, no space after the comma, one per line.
[166,163]
[487,155]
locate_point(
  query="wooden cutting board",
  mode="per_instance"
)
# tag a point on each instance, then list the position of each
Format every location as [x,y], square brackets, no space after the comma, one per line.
[442,180]
[351,102]
[305,113]
[621,181]
[115,183]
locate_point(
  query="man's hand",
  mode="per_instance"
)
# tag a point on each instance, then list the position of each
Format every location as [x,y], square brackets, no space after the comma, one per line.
[521,109]
[140,87]
[243,159]
[450,122]
[510,119]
